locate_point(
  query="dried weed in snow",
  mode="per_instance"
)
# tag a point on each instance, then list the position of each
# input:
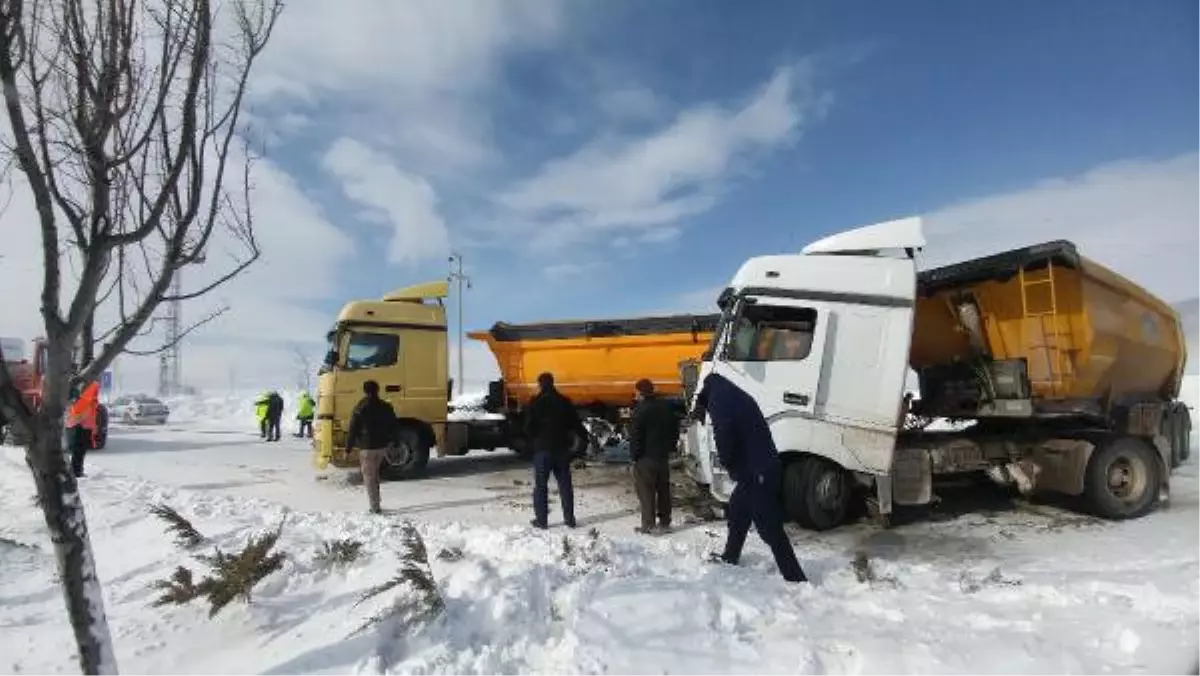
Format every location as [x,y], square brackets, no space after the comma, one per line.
[336,553]
[186,535]
[408,610]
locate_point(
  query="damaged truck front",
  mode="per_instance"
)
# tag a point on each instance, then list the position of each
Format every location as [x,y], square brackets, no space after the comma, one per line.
[1064,377]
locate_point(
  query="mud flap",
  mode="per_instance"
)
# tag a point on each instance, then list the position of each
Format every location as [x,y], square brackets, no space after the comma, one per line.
[1058,465]
[912,477]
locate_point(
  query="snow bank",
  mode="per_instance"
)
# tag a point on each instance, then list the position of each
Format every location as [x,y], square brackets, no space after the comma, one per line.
[982,593]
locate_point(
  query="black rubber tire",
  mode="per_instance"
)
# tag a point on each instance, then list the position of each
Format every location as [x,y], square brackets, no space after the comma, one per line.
[1141,462]
[802,484]
[418,457]
[795,485]
[1185,436]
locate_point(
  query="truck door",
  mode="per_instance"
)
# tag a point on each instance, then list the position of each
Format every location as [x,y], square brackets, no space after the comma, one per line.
[776,354]
[368,353]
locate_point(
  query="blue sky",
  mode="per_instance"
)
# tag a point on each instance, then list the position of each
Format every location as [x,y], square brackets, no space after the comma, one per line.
[617,158]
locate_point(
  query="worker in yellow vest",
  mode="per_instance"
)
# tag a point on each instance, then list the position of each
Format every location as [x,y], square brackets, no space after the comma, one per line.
[260,412]
[305,408]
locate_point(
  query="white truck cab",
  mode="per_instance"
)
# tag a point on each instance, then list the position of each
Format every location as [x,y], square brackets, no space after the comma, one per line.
[820,339]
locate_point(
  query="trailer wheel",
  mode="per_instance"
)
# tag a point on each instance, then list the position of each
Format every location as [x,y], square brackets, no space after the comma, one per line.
[407,459]
[1185,433]
[1122,479]
[816,493]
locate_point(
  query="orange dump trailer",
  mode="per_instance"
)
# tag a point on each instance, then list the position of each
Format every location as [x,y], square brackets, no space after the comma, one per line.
[1042,332]
[596,363]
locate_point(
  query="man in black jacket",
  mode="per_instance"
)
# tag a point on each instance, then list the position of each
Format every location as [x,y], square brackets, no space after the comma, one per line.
[653,436]
[747,451]
[372,430]
[274,415]
[551,428]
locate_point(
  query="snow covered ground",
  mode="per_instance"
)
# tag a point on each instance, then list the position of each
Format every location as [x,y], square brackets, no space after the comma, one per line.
[984,586]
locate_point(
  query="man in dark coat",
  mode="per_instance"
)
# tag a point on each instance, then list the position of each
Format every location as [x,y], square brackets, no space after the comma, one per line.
[747,451]
[653,437]
[274,415]
[552,428]
[372,429]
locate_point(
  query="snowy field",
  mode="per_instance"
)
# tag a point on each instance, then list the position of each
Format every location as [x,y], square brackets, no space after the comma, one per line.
[979,586]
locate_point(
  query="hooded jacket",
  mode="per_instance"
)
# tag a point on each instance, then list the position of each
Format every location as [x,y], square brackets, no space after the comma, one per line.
[744,442]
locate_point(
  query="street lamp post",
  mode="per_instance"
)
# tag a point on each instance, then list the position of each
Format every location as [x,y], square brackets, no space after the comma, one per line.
[456,275]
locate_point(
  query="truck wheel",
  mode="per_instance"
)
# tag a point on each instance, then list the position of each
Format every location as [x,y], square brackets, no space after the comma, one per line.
[816,493]
[1185,433]
[407,459]
[1122,479]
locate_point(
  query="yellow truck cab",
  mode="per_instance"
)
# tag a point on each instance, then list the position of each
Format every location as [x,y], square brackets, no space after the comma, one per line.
[399,341]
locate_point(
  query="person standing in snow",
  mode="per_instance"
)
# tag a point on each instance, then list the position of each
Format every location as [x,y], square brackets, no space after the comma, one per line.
[653,436]
[274,415]
[551,426]
[747,451]
[372,430]
[260,413]
[305,407]
[81,425]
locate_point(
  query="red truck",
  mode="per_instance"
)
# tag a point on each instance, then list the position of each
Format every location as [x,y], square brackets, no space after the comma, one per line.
[28,373]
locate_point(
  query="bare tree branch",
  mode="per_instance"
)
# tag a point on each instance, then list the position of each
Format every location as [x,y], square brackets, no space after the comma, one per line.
[122,116]
[182,334]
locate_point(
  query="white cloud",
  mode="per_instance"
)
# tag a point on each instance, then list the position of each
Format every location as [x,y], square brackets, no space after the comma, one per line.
[408,74]
[408,202]
[679,171]
[1140,218]
[270,304]
[632,102]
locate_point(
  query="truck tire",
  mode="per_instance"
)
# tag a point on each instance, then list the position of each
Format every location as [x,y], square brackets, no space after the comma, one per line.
[1185,436]
[408,458]
[816,493]
[1122,479]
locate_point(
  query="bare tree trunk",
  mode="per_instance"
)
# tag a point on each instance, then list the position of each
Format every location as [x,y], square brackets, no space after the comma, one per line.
[62,507]
[124,153]
[87,340]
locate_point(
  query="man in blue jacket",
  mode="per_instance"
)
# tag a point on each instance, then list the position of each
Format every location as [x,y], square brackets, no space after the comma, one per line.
[747,451]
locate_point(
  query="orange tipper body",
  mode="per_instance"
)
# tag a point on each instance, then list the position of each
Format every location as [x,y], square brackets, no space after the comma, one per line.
[1085,333]
[598,361]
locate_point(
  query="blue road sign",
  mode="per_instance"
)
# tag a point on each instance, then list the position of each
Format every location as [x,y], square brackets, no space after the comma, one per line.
[106,381]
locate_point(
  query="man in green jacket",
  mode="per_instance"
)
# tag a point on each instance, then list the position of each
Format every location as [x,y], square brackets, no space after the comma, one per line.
[260,413]
[305,408]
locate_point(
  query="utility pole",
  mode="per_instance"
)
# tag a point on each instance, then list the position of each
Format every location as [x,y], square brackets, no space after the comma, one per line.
[456,275]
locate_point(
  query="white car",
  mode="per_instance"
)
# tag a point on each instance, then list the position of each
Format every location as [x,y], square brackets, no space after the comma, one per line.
[139,409]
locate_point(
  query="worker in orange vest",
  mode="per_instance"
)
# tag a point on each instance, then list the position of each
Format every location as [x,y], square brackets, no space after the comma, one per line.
[81,421]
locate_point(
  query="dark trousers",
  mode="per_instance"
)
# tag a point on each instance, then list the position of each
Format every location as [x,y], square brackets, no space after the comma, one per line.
[756,500]
[305,427]
[652,478]
[81,440]
[546,463]
[262,428]
[273,429]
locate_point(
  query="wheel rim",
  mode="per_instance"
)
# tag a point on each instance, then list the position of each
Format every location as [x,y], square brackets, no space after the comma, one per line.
[398,455]
[829,491]
[1127,478]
